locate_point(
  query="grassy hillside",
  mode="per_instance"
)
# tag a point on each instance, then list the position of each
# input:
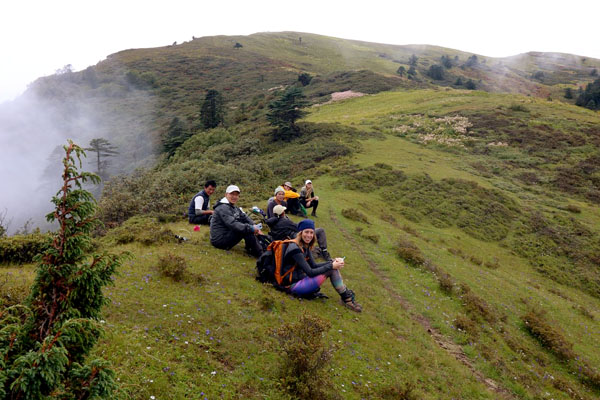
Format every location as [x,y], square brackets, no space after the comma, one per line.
[468,219]
[132,96]
[467,273]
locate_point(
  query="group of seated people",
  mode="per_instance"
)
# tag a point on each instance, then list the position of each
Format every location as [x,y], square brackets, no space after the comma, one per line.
[229,225]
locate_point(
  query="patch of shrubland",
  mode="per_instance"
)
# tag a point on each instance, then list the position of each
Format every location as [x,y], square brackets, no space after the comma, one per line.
[242,156]
[21,249]
[560,247]
[485,214]
[371,178]
[141,229]
[548,333]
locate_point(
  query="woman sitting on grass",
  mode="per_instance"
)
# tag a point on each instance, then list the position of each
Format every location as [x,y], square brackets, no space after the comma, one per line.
[305,276]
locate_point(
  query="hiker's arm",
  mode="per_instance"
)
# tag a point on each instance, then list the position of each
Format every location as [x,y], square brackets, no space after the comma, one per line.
[199,202]
[235,225]
[271,222]
[308,270]
[290,194]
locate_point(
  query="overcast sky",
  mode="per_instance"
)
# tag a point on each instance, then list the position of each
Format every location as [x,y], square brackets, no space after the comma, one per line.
[38,37]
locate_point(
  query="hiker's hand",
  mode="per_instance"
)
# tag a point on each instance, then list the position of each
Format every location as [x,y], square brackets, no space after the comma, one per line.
[338,263]
[258,232]
[316,197]
[210,212]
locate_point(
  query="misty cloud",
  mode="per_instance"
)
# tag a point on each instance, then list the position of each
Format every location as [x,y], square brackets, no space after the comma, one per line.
[35,125]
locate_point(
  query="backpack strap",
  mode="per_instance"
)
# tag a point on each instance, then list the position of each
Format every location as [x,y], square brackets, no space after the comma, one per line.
[279,249]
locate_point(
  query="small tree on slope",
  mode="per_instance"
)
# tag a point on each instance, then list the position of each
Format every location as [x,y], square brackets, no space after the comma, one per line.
[284,111]
[44,343]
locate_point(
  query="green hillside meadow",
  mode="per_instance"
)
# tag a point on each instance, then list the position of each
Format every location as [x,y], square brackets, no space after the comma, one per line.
[469,220]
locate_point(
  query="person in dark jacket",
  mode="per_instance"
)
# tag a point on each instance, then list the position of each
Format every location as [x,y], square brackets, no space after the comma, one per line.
[199,211]
[283,228]
[229,225]
[302,275]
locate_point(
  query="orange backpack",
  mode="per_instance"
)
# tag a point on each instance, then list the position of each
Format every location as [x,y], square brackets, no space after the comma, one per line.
[269,265]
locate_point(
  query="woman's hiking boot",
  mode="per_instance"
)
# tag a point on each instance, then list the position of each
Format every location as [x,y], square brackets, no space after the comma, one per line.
[347,299]
[325,254]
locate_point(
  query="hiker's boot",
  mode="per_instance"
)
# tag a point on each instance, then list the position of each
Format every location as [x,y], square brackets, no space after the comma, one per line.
[313,213]
[347,299]
[317,294]
[325,254]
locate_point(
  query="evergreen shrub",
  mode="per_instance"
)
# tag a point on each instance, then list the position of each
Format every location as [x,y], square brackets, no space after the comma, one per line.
[306,355]
[45,343]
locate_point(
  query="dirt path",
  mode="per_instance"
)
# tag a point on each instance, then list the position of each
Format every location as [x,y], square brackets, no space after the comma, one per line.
[444,342]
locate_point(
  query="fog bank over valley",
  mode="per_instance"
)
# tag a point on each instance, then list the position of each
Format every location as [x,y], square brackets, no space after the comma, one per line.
[35,126]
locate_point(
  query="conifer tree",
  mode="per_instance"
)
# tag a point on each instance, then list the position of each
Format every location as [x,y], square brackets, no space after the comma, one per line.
[45,343]
[103,149]
[284,111]
[212,112]
[568,93]
[175,136]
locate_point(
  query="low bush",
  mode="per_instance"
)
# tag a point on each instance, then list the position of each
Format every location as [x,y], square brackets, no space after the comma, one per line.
[399,391]
[355,215]
[476,306]
[409,252]
[456,252]
[475,260]
[584,311]
[20,249]
[446,282]
[306,354]
[548,334]
[141,229]
[366,235]
[492,264]
[172,266]
[518,108]
[466,324]
[573,209]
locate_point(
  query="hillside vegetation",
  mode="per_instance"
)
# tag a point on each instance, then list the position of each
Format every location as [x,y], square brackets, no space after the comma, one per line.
[468,218]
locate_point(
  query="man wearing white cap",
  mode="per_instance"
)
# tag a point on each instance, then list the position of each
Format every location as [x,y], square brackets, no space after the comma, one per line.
[229,225]
[308,198]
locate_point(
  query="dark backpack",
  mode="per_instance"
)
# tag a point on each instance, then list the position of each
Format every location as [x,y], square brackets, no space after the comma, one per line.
[268,265]
[264,241]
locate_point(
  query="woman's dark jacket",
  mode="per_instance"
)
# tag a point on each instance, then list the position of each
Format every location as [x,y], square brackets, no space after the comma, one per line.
[305,264]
